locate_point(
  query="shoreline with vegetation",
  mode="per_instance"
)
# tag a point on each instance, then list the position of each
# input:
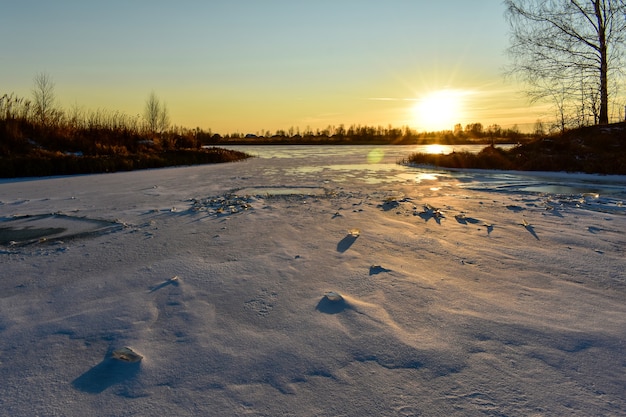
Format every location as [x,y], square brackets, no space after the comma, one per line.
[36,144]
[44,164]
[592,150]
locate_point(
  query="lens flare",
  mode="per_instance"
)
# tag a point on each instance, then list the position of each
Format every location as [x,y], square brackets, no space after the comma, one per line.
[375,156]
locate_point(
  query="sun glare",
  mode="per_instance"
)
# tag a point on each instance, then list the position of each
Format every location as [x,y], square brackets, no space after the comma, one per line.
[439,110]
[435,149]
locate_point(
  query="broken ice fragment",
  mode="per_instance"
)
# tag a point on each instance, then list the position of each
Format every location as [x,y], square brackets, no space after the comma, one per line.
[333,296]
[126,354]
[354,232]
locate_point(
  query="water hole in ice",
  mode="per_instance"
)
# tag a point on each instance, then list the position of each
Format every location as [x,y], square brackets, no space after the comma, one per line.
[41,228]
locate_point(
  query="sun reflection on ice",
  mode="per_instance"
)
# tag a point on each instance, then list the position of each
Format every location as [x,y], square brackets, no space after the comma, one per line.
[435,149]
[425,176]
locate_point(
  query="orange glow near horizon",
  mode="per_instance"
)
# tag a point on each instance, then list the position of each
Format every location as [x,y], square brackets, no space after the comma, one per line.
[440,110]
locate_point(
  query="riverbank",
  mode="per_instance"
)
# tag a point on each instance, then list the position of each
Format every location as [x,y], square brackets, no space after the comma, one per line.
[594,150]
[42,163]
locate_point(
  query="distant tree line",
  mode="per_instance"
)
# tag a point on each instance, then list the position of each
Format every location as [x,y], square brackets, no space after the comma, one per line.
[370,135]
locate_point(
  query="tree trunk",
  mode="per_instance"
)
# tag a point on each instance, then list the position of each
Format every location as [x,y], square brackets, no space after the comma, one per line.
[604,85]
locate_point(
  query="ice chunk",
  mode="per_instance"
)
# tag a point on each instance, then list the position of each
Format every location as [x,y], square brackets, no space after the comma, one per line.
[126,354]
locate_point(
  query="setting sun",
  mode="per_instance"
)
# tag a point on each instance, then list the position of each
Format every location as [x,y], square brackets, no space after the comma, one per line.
[439,110]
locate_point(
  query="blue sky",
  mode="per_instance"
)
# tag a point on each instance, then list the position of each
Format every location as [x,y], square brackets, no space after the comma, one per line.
[252,65]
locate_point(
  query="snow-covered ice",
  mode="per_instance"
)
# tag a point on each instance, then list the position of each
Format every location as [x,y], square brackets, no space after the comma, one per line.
[461,293]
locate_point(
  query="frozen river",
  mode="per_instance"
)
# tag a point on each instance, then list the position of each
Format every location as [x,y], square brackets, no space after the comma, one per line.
[452,293]
[381,164]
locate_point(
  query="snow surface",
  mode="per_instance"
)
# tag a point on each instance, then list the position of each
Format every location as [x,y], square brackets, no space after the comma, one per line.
[464,293]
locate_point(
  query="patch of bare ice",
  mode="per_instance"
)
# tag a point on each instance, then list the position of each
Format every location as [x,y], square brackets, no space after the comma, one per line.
[41,228]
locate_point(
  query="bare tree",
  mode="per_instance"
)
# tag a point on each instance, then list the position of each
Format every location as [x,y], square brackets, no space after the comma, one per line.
[568,47]
[151,112]
[164,118]
[43,94]
[156,114]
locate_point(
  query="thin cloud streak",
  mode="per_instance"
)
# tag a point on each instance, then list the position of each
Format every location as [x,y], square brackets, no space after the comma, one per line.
[391,99]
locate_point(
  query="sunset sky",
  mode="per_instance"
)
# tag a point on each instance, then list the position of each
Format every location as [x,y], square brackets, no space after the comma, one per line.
[249,65]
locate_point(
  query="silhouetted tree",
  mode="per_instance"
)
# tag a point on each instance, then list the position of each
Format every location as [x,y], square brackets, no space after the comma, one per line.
[539,129]
[156,114]
[43,98]
[568,49]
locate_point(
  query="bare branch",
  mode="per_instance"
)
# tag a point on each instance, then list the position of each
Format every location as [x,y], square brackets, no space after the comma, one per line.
[567,48]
